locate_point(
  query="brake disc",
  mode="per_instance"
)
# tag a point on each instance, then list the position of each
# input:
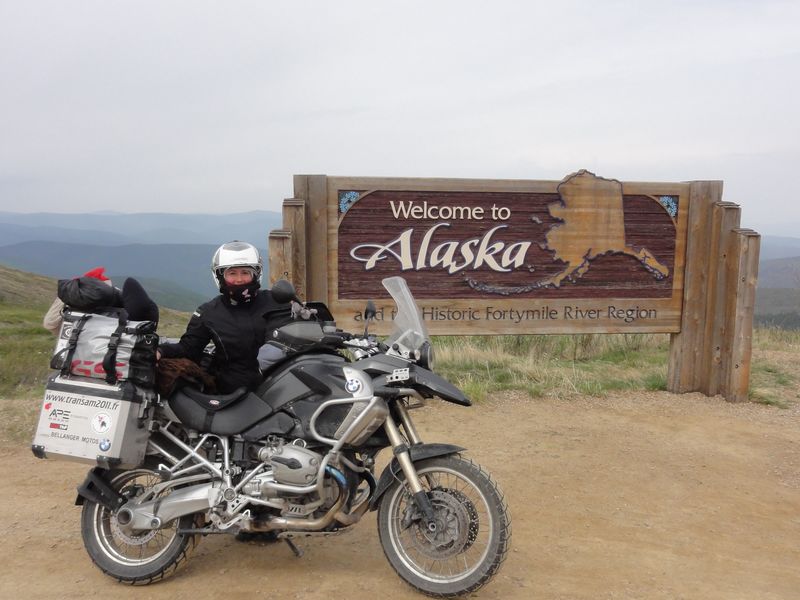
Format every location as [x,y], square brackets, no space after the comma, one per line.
[474,519]
[453,523]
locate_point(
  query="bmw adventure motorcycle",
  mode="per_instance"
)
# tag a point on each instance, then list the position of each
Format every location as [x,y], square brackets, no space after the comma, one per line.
[297,458]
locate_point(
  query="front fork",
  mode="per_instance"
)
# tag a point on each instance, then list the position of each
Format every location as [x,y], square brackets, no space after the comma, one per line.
[401,452]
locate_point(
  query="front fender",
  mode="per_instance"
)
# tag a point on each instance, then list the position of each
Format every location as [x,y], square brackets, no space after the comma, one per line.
[417,453]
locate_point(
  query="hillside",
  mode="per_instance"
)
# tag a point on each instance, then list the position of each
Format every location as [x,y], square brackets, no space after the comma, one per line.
[176,265]
[538,365]
[120,263]
[773,246]
[18,288]
[779,273]
[168,294]
[28,296]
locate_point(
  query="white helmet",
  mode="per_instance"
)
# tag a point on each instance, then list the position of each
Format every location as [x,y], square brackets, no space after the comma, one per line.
[235,254]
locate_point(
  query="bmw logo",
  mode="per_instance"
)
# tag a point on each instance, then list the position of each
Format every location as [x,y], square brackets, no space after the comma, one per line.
[353,386]
[105,444]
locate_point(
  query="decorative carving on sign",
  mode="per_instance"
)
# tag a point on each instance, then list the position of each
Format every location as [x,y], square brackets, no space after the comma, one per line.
[347,199]
[670,204]
[591,223]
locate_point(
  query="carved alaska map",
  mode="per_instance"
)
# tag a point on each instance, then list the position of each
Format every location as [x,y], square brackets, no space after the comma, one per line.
[593,224]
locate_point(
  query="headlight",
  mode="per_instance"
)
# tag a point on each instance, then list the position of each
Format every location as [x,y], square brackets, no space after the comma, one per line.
[425,356]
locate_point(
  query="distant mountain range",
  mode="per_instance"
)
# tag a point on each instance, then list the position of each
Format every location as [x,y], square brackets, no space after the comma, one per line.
[779,273]
[773,246]
[117,229]
[170,254]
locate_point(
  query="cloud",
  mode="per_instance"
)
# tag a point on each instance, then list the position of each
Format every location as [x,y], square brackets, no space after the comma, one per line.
[202,106]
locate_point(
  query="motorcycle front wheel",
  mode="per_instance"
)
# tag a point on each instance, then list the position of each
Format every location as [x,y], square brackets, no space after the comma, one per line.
[472,534]
[137,558]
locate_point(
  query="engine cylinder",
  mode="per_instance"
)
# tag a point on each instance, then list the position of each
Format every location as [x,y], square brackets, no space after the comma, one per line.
[292,464]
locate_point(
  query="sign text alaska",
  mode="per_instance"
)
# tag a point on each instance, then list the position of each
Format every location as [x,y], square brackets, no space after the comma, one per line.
[586,254]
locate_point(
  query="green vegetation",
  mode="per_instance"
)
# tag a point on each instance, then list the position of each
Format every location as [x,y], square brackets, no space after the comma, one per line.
[776,339]
[595,365]
[554,365]
[773,378]
[24,352]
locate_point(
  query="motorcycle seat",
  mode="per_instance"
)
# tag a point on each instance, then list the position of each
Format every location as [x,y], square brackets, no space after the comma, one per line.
[214,402]
[235,412]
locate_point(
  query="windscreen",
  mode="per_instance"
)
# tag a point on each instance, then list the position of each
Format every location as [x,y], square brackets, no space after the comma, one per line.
[409,329]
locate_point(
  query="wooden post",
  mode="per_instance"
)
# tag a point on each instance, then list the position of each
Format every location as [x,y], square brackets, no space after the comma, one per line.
[712,352]
[280,255]
[745,253]
[314,190]
[725,218]
[686,348]
[294,220]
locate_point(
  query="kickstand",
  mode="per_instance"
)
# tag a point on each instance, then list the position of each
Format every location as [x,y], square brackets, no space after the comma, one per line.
[297,552]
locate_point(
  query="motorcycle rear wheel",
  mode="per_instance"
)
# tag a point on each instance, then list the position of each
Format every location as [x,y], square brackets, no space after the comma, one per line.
[473,528]
[137,559]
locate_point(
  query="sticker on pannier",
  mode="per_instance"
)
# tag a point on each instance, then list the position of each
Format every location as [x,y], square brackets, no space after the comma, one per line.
[92,421]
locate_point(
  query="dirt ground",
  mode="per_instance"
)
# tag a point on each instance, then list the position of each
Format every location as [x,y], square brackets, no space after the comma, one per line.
[632,496]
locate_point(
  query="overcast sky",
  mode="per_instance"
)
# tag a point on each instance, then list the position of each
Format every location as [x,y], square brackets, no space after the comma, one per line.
[199,106]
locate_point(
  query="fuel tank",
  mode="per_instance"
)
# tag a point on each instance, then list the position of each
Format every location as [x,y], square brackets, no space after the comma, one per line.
[296,389]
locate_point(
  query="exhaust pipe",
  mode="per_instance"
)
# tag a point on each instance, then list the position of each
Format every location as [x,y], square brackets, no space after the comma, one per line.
[315,524]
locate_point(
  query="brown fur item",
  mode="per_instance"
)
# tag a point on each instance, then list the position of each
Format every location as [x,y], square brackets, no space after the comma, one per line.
[174,373]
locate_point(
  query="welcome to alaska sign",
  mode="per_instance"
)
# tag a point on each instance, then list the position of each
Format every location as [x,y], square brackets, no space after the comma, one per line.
[484,257]
[572,256]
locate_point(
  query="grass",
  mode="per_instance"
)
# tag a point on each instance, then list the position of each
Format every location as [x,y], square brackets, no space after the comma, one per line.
[772,376]
[768,381]
[554,365]
[776,339]
[595,365]
[25,349]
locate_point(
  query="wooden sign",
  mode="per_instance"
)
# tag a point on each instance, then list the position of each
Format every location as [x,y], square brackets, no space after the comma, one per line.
[483,257]
[584,254]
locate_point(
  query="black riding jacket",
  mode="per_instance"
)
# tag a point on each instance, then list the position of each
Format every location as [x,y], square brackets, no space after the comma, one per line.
[237,330]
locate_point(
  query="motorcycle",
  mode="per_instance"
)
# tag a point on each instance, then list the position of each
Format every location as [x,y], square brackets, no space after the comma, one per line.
[297,458]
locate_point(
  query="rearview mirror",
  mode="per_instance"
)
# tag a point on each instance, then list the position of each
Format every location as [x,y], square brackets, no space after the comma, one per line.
[369,313]
[283,291]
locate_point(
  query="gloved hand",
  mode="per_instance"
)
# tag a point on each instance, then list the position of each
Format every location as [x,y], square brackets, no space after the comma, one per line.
[268,355]
[300,311]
